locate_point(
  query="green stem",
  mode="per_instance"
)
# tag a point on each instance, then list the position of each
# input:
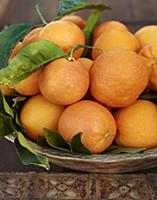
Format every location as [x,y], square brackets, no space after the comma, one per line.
[77,47]
[37,7]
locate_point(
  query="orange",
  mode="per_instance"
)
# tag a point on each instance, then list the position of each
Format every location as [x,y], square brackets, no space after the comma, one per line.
[150,52]
[118,77]
[86,62]
[32,36]
[15,51]
[147,34]
[113,39]
[64,34]
[137,125]
[79,21]
[6,90]
[93,120]
[64,82]
[30,85]
[107,25]
[37,114]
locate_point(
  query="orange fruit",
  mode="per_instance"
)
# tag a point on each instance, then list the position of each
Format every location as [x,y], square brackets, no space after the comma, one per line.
[150,52]
[64,82]
[15,51]
[93,120]
[137,125]
[32,36]
[79,21]
[113,39]
[147,34]
[37,114]
[6,90]
[107,25]
[64,34]
[30,85]
[118,78]
[86,62]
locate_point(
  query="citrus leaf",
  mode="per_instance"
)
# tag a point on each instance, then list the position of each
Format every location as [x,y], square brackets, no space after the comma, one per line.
[115,149]
[149,95]
[67,6]
[90,24]
[28,60]
[42,141]
[77,146]
[29,158]
[56,141]
[6,125]
[9,37]
[23,142]
[70,6]
[7,108]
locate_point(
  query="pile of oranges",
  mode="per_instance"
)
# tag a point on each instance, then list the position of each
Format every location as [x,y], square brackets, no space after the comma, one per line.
[98,95]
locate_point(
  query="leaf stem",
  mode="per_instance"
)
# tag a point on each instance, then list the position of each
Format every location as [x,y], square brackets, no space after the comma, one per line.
[77,47]
[37,7]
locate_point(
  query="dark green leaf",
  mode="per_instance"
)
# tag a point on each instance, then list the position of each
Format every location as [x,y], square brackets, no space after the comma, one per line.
[77,146]
[7,108]
[6,125]
[67,5]
[70,6]
[29,158]
[9,37]
[149,95]
[115,149]
[42,141]
[56,141]
[28,60]
[88,30]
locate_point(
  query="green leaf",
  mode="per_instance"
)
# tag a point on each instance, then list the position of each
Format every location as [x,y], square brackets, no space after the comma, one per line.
[115,149]
[70,6]
[29,158]
[23,142]
[42,141]
[149,95]
[7,108]
[56,141]
[88,30]
[9,37]
[6,125]
[77,146]
[66,6]
[28,60]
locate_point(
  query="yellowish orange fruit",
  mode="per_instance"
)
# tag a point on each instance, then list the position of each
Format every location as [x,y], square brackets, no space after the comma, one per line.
[37,114]
[137,125]
[15,51]
[86,62]
[64,34]
[147,34]
[118,78]
[64,82]
[150,52]
[107,25]
[30,85]
[79,21]
[93,120]
[114,39]
[32,36]
[6,90]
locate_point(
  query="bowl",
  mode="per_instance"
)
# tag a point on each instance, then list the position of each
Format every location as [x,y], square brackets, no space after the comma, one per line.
[101,163]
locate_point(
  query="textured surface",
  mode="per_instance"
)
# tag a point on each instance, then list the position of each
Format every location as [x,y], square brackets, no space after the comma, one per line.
[43,186]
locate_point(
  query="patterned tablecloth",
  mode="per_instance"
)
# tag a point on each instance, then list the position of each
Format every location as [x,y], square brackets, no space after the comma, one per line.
[54,186]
